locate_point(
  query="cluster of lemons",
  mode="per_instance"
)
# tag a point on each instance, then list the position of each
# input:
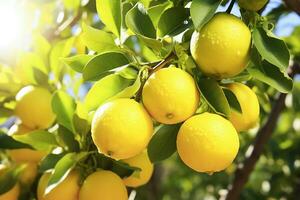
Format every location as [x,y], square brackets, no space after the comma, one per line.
[122,128]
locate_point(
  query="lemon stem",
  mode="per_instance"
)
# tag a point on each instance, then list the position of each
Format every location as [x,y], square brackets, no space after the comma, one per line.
[230,7]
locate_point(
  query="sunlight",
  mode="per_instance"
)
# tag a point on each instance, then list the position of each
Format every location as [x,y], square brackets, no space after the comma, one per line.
[11,26]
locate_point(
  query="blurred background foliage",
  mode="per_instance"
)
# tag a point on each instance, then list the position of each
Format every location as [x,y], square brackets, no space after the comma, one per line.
[277,173]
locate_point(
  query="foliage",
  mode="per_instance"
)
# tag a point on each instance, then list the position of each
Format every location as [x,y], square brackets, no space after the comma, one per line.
[97,59]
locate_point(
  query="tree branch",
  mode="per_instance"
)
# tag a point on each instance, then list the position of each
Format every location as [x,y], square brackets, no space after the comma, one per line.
[264,134]
[293,5]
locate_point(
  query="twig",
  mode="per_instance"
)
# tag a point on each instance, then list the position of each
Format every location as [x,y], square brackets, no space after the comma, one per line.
[230,6]
[264,134]
[157,67]
[293,5]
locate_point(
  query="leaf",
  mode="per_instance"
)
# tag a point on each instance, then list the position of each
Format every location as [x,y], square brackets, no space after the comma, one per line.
[9,178]
[105,89]
[173,21]
[296,96]
[97,40]
[78,62]
[163,143]
[50,161]
[68,139]
[130,91]
[81,120]
[123,169]
[41,46]
[64,106]
[232,100]
[271,49]
[110,14]
[39,140]
[138,21]
[214,96]
[40,77]
[101,64]
[60,50]
[7,142]
[63,168]
[202,11]
[271,75]
[156,11]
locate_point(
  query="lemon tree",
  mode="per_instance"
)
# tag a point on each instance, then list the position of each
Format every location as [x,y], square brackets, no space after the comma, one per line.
[144,99]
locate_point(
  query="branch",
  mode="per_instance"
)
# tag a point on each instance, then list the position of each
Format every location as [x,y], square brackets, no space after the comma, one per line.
[264,134]
[157,67]
[293,5]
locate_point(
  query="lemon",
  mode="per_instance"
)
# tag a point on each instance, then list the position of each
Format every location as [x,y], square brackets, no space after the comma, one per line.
[207,143]
[34,107]
[68,189]
[142,177]
[170,95]
[29,173]
[104,185]
[14,192]
[24,155]
[254,5]
[249,105]
[221,48]
[121,128]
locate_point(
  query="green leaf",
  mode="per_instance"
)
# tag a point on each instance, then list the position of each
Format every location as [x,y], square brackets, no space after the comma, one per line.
[110,14]
[296,96]
[63,168]
[213,95]
[156,11]
[271,75]
[41,46]
[64,106]
[39,140]
[49,162]
[232,100]
[81,120]
[7,142]
[138,21]
[130,91]
[68,138]
[202,11]
[123,169]
[78,62]
[97,40]
[173,21]
[271,49]
[104,89]
[100,65]
[9,178]
[60,50]
[163,143]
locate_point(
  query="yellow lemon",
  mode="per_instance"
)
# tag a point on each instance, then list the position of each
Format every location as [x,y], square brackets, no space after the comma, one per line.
[170,95]
[68,189]
[29,173]
[104,185]
[207,143]
[254,5]
[142,177]
[249,105]
[14,192]
[34,107]
[121,128]
[24,155]
[221,48]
